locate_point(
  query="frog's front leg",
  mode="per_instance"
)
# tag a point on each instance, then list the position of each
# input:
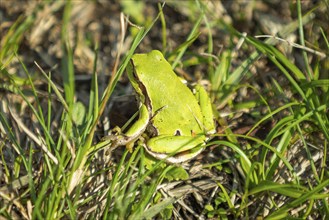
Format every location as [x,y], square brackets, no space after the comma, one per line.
[175,149]
[134,132]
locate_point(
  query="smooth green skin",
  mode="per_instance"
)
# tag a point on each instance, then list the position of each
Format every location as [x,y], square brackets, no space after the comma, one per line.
[176,119]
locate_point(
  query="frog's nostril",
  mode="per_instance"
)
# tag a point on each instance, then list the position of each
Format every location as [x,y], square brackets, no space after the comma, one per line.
[178,133]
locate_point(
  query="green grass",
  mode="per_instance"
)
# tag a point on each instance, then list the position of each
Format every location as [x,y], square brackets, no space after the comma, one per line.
[54,164]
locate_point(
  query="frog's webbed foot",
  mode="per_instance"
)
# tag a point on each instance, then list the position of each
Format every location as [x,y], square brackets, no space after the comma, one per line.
[117,139]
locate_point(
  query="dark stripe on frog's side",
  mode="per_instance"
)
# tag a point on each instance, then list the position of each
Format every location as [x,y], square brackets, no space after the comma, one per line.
[144,91]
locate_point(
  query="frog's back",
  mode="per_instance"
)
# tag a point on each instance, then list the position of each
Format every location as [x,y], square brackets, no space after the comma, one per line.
[179,107]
